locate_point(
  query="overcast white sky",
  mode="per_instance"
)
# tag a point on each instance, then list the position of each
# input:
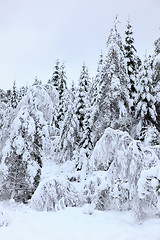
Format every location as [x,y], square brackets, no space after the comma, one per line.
[34,33]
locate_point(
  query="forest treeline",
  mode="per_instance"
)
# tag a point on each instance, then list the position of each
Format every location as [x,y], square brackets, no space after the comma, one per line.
[61,124]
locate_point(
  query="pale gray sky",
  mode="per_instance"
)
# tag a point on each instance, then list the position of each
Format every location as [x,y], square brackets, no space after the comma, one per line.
[34,33]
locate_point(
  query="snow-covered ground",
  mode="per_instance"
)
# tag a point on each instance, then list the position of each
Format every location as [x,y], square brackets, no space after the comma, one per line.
[74,224]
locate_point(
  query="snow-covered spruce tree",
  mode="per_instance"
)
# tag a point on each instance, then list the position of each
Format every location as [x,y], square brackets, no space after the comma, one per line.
[157,46]
[16,156]
[96,97]
[63,95]
[55,81]
[68,135]
[59,82]
[37,81]
[132,64]
[97,81]
[83,88]
[75,140]
[114,101]
[23,151]
[56,75]
[73,91]
[156,79]
[83,114]
[145,110]
[22,92]
[3,125]
[14,96]
[7,113]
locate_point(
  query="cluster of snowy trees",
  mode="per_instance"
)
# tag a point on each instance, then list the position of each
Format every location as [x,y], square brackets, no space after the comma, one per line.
[103,134]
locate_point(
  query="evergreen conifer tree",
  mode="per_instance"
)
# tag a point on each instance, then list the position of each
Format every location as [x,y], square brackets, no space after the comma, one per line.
[55,80]
[83,114]
[132,64]
[14,96]
[156,80]
[37,81]
[113,92]
[21,159]
[62,90]
[82,91]
[59,82]
[145,110]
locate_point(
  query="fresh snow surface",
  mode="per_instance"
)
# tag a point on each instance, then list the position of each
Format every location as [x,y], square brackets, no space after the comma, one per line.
[75,224]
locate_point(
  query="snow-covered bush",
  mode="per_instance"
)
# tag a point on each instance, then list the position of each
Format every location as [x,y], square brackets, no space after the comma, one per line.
[98,193]
[111,146]
[4,218]
[54,194]
[122,159]
[93,186]
[149,191]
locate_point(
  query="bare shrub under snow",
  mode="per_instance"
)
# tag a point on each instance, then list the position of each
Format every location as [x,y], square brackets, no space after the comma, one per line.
[54,194]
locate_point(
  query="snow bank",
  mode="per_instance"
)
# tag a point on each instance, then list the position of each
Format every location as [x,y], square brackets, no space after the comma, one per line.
[54,194]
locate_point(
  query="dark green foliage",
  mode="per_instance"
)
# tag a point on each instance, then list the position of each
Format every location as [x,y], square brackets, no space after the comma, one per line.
[14,96]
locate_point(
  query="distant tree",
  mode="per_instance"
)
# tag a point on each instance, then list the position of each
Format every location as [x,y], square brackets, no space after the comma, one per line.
[22,92]
[132,62]
[157,46]
[62,90]
[55,80]
[37,81]
[59,82]
[14,96]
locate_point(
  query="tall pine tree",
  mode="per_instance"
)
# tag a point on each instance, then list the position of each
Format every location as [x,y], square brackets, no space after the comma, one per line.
[132,64]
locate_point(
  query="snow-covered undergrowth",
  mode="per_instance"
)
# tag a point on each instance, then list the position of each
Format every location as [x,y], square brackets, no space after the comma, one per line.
[123,159]
[122,175]
[55,194]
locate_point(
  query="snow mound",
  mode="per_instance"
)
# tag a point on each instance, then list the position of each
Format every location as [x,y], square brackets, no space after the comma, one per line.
[149,190]
[4,218]
[54,194]
[123,159]
[105,151]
